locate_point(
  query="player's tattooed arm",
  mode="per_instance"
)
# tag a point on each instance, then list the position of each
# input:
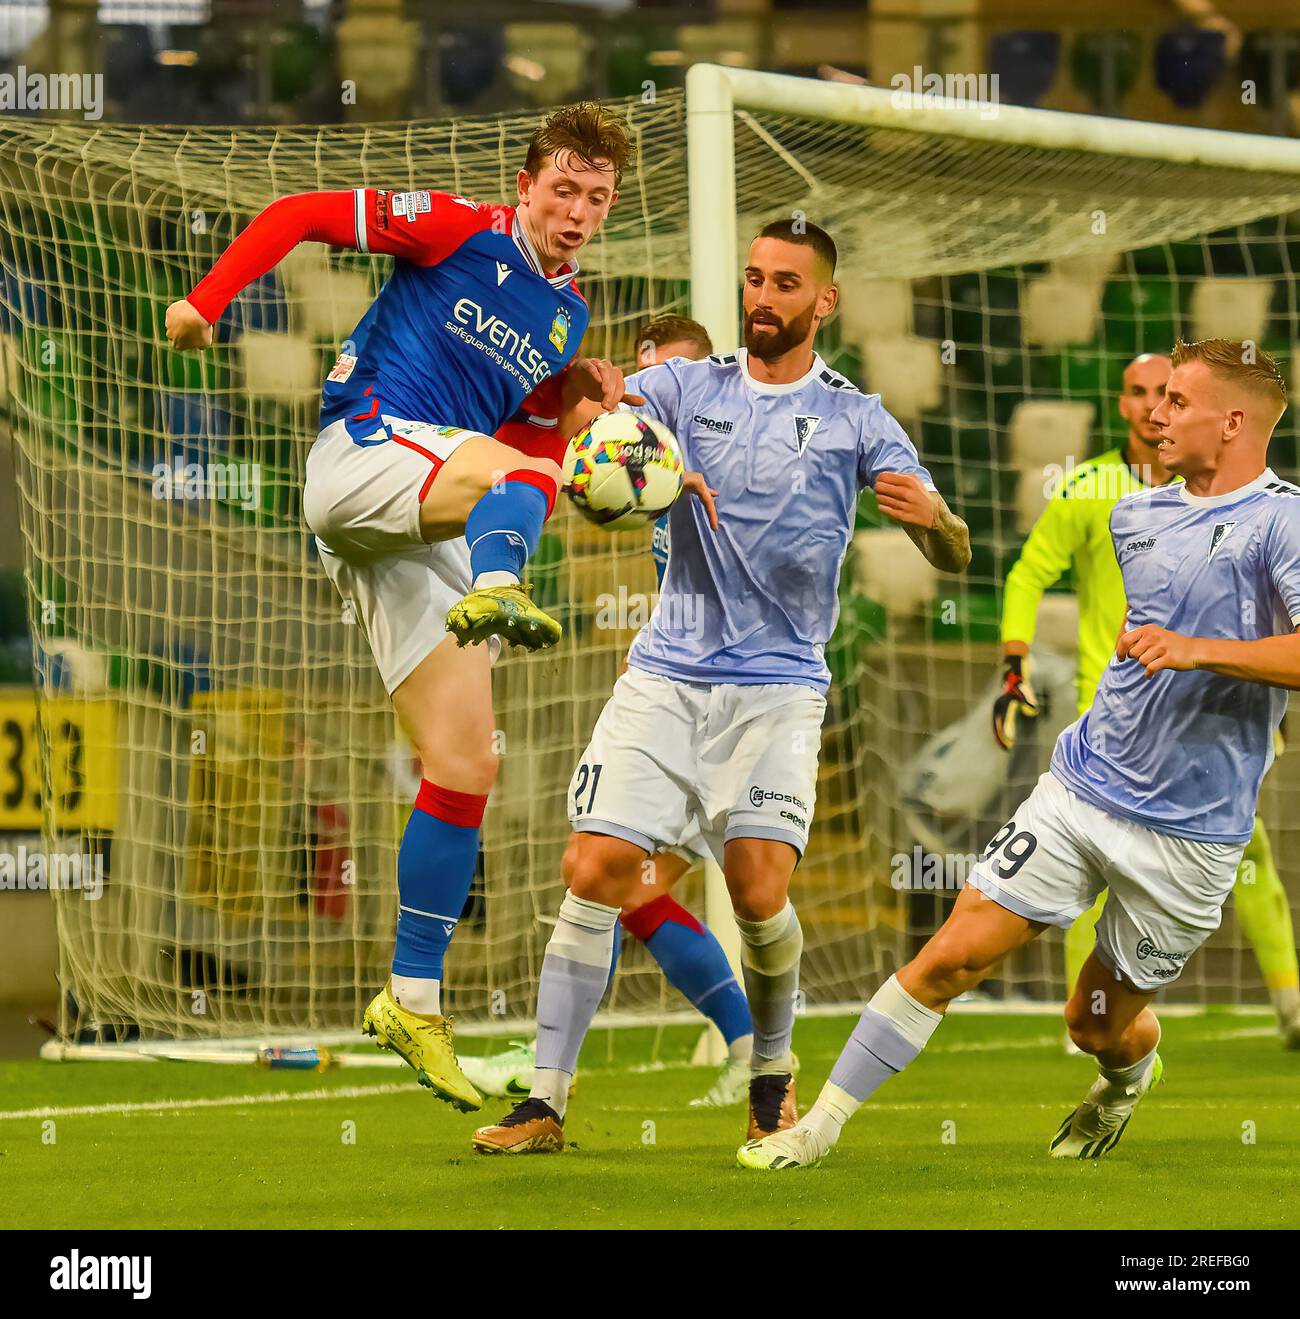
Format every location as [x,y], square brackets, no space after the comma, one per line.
[935,529]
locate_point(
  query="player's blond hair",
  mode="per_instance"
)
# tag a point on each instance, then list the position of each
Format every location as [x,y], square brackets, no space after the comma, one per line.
[592,133]
[1237,360]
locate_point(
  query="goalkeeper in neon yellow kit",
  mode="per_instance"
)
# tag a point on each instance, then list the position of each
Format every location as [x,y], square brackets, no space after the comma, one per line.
[1074,531]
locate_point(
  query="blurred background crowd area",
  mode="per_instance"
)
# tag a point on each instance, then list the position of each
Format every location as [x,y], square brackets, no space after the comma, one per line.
[1229,65]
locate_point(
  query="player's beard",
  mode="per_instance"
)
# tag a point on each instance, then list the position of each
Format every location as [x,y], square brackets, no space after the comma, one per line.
[771,344]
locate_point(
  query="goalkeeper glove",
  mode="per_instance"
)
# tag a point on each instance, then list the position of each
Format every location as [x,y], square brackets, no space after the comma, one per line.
[1016,697]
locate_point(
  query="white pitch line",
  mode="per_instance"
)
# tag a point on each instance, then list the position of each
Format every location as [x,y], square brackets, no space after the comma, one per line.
[224,1101]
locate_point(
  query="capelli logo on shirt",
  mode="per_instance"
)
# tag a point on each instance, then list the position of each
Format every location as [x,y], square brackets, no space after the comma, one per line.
[722,427]
[1138,545]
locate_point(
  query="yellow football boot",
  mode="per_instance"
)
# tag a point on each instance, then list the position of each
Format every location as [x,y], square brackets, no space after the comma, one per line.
[507,612]
[426,1044]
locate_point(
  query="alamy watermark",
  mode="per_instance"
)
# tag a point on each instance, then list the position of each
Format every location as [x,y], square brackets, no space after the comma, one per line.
[230,482]
[928,872]
[38,872]
[27,89]
[682,615]
[945,89]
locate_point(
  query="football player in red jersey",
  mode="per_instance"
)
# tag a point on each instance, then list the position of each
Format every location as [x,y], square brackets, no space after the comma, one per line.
[424,519]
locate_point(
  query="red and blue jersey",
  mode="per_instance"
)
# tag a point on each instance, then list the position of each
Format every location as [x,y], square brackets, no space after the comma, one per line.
[468,331]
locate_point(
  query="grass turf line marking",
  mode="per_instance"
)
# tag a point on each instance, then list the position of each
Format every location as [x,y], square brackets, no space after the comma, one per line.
[222,1101]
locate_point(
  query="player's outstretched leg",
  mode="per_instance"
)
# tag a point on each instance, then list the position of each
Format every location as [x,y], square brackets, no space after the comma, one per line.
[1115,1024]
[758,874]
[600,871]
[1265,916]
[896,1025]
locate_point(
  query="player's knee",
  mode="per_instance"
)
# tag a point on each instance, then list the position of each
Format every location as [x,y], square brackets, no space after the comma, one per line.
[601,869]
[948,967]
[760,900]
[463,768]
[1090,1031]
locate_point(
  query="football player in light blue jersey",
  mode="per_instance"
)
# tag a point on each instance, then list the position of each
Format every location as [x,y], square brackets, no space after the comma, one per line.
[689,954]
[1151,794]
[717,722]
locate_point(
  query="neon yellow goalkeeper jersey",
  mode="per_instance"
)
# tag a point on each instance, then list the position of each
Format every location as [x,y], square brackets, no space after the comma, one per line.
[1074,531]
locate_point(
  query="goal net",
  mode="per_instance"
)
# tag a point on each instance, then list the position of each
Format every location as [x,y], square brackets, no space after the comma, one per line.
[213,739]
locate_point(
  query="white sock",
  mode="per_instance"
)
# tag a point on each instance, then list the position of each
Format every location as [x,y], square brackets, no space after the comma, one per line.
[892,1030]
[423,997]
[551,1087]
[741,1049]
[1126,1076]
[499,578]
[826,1118]
[769,957]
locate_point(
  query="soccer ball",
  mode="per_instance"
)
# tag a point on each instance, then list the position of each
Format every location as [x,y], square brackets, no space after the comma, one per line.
[623,471]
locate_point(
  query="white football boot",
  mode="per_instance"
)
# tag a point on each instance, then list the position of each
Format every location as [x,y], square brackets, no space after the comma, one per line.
[1094,1128]
[795,1147]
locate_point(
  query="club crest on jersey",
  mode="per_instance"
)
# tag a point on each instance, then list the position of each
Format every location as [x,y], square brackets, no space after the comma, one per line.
[410,204]
[1219,535]
[803,431]
[559,335]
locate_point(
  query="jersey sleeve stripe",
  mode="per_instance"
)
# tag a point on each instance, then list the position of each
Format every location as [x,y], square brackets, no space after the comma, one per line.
[359,217]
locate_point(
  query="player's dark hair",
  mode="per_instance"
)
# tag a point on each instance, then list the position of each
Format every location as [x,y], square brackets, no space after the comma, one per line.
[594,134]
[806,234]
[1235,359]
[674,329]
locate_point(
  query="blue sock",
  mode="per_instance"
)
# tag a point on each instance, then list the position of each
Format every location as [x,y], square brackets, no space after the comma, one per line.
[503,528]
[694,963]
[435,868]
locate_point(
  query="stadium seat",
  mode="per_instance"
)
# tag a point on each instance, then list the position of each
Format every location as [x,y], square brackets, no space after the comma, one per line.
[1078,373]
[1086,265]
[968,615]
[906,371]
[332,303]
[547,62]
[194,429]
[1188,62]
[1042,435]
[1060,309]
[1140,315]
[1104,66]
[1025,64]
[261,306]
[1231,308]
[887,568]
[874,308]
[279,366]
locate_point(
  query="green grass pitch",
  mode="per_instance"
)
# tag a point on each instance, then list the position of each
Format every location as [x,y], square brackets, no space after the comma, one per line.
[959,1140]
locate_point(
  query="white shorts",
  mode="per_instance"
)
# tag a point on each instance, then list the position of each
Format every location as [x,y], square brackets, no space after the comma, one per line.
[362,501]
[733,761]
[1053,858]
[690,846]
